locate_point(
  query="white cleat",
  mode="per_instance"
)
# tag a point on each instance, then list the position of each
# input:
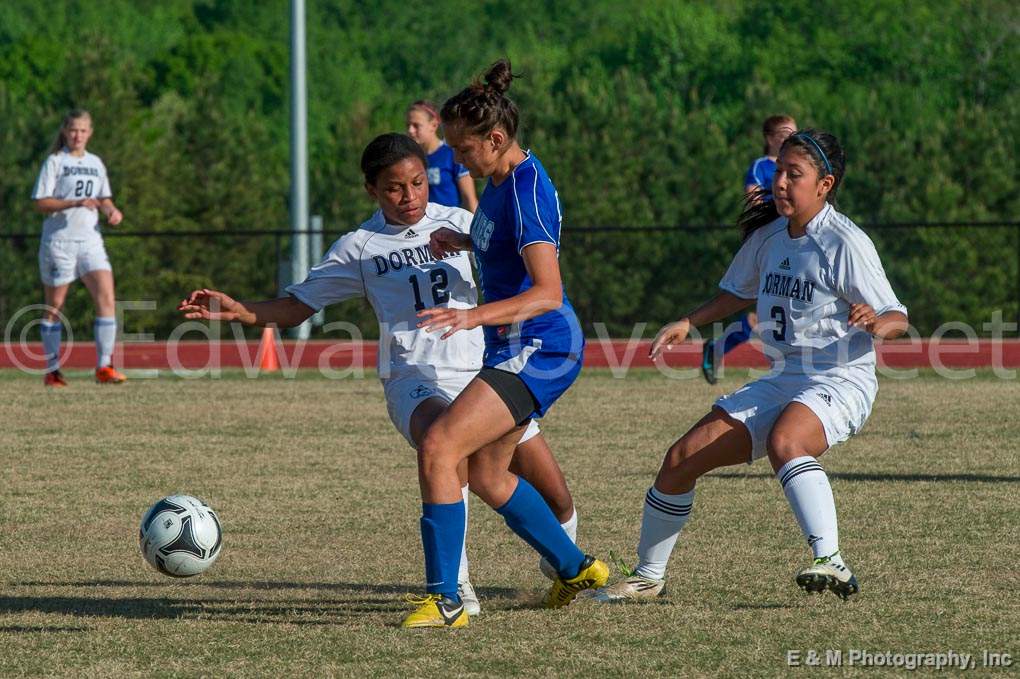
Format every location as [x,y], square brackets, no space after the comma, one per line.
[631,588]
[469,598]
[825,575]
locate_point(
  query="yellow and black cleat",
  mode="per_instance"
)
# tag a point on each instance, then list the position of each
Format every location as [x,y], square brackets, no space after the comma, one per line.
[435,610]
[593,574]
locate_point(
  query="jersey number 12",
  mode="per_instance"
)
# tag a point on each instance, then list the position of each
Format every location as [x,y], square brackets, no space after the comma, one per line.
[439,292]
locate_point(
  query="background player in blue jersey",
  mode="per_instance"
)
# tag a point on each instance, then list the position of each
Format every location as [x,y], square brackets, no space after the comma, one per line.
[758,188]
[533,353]
[449,181]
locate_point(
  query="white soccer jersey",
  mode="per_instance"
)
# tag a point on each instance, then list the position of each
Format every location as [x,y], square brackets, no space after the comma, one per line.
[70,178]
[805,287]
[393,267]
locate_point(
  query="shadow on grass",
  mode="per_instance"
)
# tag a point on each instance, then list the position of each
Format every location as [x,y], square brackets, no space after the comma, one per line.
[22,629]
[255,610]
[225,610]
[266,585]
[875,476]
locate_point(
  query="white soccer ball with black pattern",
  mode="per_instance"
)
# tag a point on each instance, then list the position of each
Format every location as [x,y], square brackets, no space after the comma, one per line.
[180,536]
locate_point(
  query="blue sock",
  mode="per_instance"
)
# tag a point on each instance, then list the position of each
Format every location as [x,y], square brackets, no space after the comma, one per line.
[51,343]
[528,515]
[737,337]
[442,536]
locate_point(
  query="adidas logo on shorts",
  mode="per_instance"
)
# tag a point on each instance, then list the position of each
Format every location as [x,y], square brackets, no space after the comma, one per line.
[421,391]
[826,398]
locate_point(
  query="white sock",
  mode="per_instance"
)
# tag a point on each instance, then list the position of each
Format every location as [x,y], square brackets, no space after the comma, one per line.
[570,526]
[51,343]
[807,489]
[105,331]
[462,574]
[664,517]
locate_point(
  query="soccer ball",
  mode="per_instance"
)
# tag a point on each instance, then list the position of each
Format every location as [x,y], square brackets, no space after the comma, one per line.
[180,536]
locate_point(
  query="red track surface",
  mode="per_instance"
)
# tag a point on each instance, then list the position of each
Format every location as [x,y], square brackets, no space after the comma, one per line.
[611,354]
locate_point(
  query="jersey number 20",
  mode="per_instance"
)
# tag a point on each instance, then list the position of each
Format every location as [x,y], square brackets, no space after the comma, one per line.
[83,188]
[439,292]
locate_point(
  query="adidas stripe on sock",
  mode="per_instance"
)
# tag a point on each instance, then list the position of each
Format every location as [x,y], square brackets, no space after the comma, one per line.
[664,517]
[807,489]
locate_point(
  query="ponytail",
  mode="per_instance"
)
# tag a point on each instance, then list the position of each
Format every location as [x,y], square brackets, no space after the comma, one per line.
[480,107]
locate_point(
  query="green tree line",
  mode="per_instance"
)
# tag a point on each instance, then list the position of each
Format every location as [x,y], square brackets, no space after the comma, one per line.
[645,114]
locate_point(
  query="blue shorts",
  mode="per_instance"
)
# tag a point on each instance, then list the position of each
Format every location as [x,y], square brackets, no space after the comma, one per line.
[547,374]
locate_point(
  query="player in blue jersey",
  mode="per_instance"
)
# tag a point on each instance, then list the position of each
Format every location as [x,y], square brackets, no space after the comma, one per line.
[449,181]
[533,352]
[757,188]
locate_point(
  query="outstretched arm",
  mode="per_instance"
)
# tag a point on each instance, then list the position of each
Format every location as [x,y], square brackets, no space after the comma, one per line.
[212,305]
[720,306]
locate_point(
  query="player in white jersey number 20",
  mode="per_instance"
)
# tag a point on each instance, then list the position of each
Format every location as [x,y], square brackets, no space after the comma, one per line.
[388,261]
[72,190]
[822,296]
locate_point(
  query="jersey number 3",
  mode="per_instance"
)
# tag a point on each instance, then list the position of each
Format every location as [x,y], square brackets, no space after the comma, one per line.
[778,315]
[439,292]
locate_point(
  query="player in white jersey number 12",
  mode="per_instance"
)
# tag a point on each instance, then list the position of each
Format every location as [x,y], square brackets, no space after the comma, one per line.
[388,261]
[822,296]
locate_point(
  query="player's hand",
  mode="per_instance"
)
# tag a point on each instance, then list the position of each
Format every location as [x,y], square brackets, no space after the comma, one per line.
[90,203]
[669,335]
[210,305]
[115,217]
[452,320]
[446,241]
[862,316]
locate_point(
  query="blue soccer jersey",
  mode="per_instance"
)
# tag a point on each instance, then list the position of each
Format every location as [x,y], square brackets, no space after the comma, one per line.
[760,174]
[443,174]
[524,209]
[545,351]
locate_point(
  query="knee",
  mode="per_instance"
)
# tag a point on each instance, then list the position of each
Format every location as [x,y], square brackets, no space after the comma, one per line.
[434,454]
[677,454]
[678,473]
[480,480]
[106,303]
[783,447]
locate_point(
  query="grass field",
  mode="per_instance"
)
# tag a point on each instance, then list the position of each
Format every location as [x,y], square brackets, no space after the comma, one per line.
[319,503]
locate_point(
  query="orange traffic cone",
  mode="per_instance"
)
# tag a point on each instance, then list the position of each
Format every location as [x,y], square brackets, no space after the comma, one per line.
[269,362]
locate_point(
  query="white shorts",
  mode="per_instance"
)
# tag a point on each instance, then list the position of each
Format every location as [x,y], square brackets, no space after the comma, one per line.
[403,395]
[63,261]
[842,406]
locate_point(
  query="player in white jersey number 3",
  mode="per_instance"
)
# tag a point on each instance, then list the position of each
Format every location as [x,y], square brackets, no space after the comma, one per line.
[388,261]
[822,296]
